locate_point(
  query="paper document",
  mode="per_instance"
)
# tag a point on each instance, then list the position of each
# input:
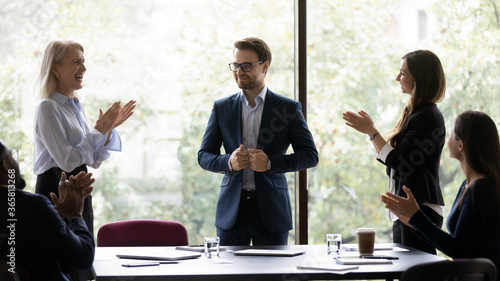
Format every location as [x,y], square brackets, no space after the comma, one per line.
[266,252]
[354,247]
[327,266]
[195,248]
[174,256]
[351,261]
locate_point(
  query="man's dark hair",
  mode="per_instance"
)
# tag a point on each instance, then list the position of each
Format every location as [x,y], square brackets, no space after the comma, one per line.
[257,45]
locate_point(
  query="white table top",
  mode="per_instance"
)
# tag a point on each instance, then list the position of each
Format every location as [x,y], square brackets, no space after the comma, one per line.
[230,267]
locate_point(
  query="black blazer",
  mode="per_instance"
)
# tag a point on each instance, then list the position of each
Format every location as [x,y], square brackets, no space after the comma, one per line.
[417,154]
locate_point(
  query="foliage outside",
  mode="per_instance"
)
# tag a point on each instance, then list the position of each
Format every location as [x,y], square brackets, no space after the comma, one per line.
[172,57]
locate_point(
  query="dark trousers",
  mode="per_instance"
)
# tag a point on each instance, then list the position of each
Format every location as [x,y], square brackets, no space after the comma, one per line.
[249,228]
[49,182]
[403,234]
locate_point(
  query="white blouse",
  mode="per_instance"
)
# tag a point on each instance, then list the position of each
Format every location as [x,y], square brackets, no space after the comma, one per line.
[64,139]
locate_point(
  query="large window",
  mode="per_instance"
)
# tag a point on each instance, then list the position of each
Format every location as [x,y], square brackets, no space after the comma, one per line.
[355,48]
[172,56]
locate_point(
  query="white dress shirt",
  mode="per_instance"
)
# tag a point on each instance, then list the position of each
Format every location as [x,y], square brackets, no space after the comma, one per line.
[64,139]
[251,118]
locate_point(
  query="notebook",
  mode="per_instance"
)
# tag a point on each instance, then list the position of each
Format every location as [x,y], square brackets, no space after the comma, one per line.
[174,256]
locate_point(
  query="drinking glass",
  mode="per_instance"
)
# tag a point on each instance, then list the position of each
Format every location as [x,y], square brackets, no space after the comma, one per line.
[211,246]
[333,242]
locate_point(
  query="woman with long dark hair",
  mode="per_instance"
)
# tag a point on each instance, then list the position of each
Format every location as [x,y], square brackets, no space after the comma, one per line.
[412,152]
[474,220]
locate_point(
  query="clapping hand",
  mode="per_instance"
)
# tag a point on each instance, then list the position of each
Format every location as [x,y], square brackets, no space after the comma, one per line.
[403,208]
[72,193]
[361,122]
[106,120]
[125,112]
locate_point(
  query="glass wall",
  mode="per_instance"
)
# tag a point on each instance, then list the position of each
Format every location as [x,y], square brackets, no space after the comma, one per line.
[172,56]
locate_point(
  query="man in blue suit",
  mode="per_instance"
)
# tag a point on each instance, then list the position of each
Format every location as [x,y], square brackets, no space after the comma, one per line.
[256,127]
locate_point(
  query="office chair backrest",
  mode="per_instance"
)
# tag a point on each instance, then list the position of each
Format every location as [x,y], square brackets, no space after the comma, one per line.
[18,274]
[478,269]
[5,274]
[142,233]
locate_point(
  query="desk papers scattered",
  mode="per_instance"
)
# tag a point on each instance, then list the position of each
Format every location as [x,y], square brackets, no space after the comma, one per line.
[354,248]
[266,252]
[353,261]
[162,257]
[195,248]
[327,266]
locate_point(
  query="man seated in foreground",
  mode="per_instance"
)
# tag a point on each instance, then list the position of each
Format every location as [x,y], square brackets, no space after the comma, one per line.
[34,235]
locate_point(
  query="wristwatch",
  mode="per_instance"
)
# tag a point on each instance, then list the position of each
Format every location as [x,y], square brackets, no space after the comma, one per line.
[269,165]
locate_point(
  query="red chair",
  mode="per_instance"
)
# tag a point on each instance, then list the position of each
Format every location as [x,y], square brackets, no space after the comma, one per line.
[142,233]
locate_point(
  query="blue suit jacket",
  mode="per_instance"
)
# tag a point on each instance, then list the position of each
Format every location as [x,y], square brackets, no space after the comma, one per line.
[282,124]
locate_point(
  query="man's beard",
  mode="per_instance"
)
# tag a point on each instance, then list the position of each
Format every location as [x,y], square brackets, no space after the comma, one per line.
[247,85]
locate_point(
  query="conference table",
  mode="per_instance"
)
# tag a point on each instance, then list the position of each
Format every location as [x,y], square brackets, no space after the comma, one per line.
[307,263]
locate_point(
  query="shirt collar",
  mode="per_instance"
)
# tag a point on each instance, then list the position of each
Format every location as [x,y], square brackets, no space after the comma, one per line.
[62,99]
[261,96]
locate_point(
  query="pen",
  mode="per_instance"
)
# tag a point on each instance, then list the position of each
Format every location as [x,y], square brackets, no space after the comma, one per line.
[380,257]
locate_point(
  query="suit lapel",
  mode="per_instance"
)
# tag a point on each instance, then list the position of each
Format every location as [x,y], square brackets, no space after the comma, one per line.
[235,114]
[267,114]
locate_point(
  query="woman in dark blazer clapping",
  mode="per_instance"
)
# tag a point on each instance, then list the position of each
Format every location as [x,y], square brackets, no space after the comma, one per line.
[413,149]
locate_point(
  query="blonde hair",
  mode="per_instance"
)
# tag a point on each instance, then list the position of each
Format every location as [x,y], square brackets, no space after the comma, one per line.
[55,52]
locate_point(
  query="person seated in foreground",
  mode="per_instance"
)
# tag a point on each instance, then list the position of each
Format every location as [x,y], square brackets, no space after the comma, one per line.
[474,219]
[34,235]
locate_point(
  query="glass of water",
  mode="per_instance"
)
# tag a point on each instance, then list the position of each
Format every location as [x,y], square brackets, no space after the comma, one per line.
[333,242]
[211,246]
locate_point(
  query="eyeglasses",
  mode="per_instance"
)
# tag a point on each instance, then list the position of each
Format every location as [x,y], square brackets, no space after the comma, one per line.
[246,66]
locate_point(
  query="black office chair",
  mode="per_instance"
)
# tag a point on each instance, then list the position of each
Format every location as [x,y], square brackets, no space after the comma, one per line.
[478,269]
[19,273]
